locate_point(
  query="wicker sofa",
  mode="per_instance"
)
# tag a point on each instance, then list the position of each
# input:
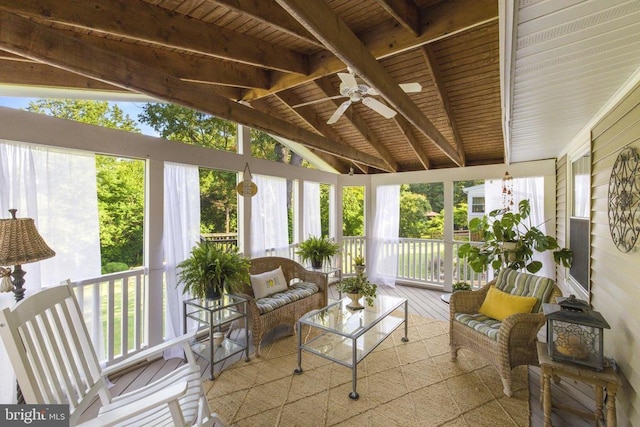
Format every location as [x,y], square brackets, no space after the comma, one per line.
[508,343]
[286,307]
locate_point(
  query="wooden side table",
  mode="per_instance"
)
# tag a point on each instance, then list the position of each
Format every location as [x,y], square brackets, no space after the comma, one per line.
[606,378]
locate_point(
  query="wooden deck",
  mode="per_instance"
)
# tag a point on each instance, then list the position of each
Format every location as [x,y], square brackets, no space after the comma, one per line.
[422,302]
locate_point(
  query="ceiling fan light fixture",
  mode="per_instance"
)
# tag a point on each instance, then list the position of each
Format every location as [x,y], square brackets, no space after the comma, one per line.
[356,92]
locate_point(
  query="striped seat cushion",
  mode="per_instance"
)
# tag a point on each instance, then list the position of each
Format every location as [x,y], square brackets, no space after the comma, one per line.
[522,284]
[481,323]
[295,292]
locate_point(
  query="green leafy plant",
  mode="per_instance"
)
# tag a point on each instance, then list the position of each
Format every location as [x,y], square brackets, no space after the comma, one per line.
[212,268]
[510,241]
[358,260]
[461,286]
[317,250]
[359,284]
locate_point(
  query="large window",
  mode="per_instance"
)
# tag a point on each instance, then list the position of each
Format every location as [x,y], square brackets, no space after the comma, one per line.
[579,221]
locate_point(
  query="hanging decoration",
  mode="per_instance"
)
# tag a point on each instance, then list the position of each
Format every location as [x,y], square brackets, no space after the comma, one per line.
[246,187]
[624,200]
[507,192]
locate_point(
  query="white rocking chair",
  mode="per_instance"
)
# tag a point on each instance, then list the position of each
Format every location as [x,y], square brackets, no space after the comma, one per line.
[55,363]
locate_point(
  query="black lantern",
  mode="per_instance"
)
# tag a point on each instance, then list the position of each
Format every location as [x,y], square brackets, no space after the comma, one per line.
[574,332]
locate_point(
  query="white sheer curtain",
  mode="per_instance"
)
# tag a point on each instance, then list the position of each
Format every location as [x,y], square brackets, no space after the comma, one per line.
[58,190]
[386,227]
[311,210]
[531,188]
[181,232]
[269,229]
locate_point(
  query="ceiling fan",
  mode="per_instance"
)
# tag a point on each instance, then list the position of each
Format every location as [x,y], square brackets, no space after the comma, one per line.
[360,91]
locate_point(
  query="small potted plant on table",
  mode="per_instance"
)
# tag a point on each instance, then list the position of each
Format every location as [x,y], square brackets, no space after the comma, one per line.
[358,264]
[356,287]
[210,269]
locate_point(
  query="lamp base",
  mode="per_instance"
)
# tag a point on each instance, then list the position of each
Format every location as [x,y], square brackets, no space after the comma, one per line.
[18,280]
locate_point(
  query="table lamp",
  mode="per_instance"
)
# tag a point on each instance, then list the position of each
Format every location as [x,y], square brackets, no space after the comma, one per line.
[20,243]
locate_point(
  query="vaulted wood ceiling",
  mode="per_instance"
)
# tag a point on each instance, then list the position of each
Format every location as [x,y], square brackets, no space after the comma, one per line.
[273,64]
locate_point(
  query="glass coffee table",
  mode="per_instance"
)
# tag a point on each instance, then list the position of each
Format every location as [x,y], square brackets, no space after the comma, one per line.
[347,336]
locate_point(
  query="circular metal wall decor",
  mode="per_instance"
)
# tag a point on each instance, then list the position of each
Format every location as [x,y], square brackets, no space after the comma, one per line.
[624,200]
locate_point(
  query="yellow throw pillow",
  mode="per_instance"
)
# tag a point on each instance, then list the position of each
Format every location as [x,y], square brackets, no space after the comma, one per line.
[500,305]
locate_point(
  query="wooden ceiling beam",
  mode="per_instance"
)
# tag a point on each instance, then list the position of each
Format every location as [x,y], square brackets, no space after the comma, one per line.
[339,39]
[141,21]
[441,91]
[325,86]
[31,73]
[307,114]
[438,21]
[406,129]
[271,13]
[201,69]
[42,43]
[406,12]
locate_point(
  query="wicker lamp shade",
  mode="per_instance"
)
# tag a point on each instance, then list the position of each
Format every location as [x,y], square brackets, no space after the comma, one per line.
[20,242]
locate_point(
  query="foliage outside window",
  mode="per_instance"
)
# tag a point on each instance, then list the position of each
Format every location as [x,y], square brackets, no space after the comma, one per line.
[120,182]
[353,211]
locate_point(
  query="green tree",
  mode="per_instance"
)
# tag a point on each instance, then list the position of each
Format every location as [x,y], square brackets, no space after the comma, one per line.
[434,192]
[182,124]
[460,221]
[353,211]
[413,213]
[218,199]
[120,182]
[99,113]
[324,209]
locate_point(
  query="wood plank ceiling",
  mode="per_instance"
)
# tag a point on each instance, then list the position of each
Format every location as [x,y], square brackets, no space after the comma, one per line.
[273,64]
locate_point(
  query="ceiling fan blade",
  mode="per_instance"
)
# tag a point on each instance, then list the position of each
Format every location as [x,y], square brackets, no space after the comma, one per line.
[379,107]
[411,87]
[339,112]
[407,87]
[349,80]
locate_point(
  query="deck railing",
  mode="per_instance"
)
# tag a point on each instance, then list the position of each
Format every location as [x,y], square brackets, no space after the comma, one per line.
[116,306]
[420,261]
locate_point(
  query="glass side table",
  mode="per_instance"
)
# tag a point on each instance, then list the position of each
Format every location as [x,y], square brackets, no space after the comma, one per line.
[333,274]
[214,314]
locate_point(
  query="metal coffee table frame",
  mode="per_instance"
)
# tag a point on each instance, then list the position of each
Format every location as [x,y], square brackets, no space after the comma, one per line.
[347,336]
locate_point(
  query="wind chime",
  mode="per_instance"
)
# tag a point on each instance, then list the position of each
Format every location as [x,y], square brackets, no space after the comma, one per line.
[507,191]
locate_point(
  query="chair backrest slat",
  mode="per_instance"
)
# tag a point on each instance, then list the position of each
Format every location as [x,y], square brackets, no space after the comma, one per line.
[56,360]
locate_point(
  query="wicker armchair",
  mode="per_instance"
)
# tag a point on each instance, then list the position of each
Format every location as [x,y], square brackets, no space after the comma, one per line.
[261,323]
[516,339]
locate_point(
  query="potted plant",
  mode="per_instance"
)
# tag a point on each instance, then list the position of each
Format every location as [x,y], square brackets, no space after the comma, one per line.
[210,269]
[510,241]
[356,287]
[358,264]
[461,286]
[317,250]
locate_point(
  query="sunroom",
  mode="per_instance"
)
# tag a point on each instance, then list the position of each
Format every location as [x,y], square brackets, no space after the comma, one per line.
[545,92]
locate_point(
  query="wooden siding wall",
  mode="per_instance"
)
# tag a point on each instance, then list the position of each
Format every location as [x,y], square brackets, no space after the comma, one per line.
[614,275]
[561,218]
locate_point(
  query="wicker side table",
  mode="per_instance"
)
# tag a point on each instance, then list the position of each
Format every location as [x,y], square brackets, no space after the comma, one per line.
[600,380]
